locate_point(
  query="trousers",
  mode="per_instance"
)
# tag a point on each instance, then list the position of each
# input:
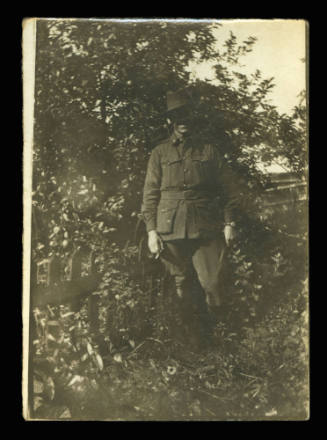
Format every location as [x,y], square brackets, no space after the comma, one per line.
[205,256]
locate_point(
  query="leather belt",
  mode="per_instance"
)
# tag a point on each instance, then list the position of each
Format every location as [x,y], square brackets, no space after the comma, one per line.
[187,195]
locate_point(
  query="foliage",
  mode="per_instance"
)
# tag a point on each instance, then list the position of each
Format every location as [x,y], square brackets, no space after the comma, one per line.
[259,375]
[99,111]
[131,366]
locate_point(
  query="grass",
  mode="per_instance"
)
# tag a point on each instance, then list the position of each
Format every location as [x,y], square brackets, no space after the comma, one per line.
[259,373]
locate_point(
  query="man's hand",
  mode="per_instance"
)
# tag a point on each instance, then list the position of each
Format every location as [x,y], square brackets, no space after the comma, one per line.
[230,234]
[155,243]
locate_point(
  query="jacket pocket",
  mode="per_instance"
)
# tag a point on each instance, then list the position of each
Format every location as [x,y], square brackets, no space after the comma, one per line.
[200,168]
[166,216]
[171,172]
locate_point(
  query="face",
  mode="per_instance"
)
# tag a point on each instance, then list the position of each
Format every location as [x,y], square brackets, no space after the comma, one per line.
[181,118]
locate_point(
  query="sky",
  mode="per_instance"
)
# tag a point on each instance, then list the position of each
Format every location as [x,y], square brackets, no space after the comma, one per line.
[277,53]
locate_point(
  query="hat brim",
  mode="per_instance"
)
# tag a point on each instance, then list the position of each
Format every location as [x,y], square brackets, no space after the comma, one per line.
[169,111]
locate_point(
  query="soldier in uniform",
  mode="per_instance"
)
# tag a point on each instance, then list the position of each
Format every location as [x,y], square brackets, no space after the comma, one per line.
[189,202]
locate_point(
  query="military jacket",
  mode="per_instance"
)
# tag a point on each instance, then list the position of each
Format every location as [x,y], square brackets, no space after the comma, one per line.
[189,190]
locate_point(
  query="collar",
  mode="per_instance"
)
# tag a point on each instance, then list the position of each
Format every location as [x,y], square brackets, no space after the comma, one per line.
[177,140]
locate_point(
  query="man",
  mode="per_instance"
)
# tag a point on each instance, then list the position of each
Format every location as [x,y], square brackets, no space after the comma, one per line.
[189,203]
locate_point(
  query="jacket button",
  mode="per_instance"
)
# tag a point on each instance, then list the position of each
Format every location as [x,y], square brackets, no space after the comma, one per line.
[168,221]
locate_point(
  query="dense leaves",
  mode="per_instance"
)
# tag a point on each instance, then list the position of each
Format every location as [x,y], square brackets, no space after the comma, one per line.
[99,110]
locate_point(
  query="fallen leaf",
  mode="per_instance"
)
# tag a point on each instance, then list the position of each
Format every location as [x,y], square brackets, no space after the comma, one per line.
[84,357]
[67,314]
[272,412]
[99,361]
[94,384]
[49,388]
[118,358]
[76,379]
[53,323]
[38,401]
[89,349]
[66,414]
[50,337]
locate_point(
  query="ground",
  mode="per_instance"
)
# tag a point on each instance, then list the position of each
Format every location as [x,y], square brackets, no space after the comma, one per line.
[257,374]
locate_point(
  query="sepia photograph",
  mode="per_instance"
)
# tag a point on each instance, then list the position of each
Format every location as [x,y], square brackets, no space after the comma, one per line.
[165,184]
